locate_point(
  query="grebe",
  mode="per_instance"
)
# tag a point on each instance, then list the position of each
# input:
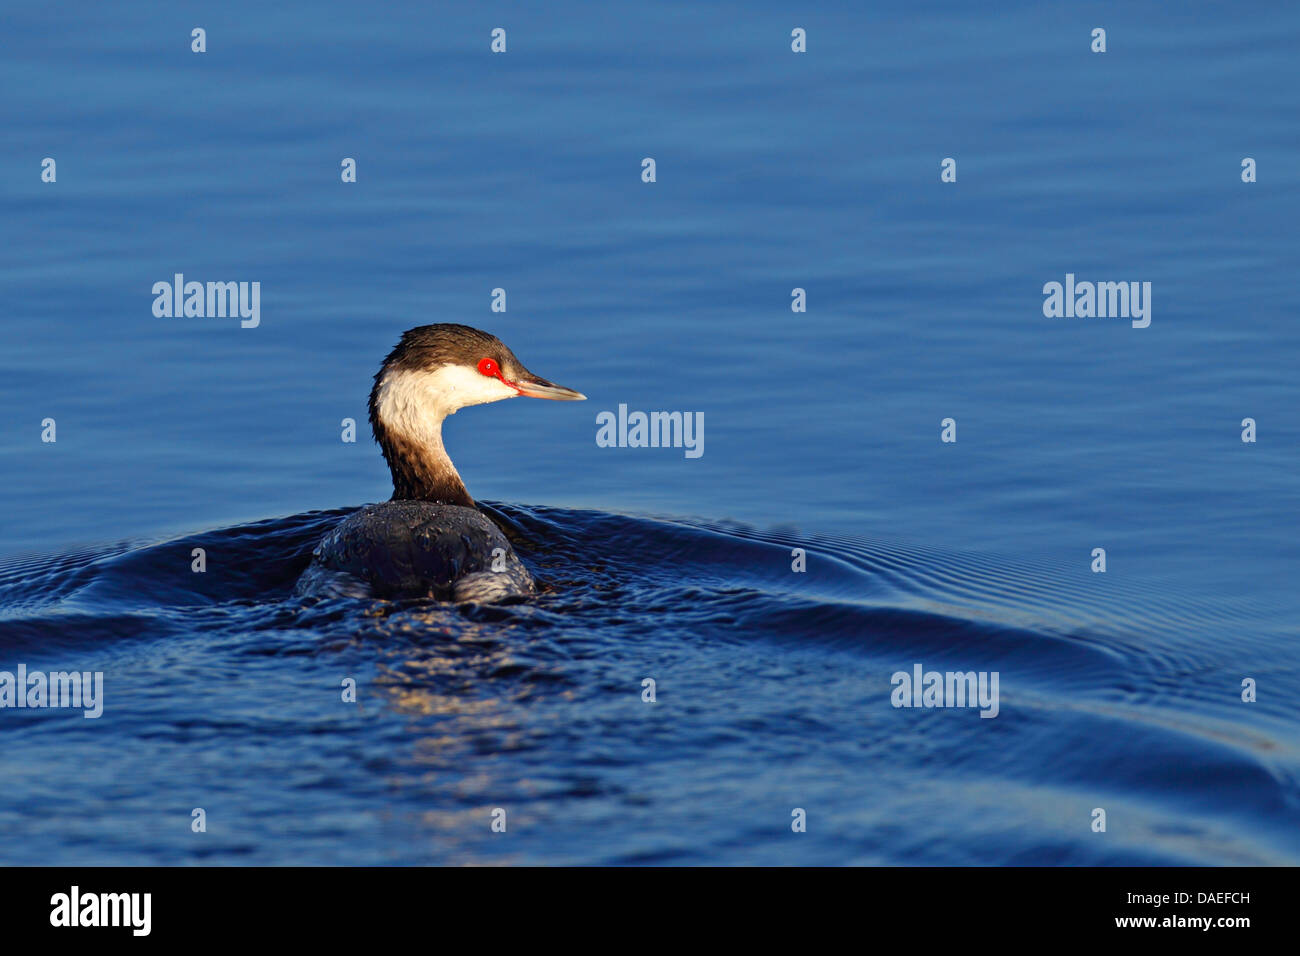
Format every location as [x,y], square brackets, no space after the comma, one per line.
[430,539]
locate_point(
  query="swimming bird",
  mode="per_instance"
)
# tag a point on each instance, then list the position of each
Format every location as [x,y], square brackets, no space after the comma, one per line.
[430,539]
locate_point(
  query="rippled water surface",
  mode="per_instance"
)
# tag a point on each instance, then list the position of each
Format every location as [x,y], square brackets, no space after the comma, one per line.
[775,170]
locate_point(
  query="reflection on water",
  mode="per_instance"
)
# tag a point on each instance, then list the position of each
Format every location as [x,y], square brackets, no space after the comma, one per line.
[772,691]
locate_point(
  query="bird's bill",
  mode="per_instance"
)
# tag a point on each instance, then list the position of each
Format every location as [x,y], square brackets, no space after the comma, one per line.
[541,388]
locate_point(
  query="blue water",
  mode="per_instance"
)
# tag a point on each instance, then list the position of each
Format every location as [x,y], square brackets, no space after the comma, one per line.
[775,170]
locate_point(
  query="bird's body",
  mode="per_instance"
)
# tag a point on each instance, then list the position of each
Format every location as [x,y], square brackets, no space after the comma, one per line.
[424,549]
[430,540]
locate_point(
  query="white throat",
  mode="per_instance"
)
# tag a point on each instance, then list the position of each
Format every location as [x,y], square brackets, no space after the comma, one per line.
[412,404]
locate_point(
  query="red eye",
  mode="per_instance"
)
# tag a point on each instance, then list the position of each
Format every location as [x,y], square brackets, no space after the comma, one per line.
[487,367]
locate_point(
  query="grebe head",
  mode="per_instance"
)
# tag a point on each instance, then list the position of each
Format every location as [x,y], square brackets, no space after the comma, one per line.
[434,371]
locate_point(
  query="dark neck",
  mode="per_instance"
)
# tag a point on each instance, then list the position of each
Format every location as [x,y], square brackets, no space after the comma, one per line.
[420,476]
[421,470]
